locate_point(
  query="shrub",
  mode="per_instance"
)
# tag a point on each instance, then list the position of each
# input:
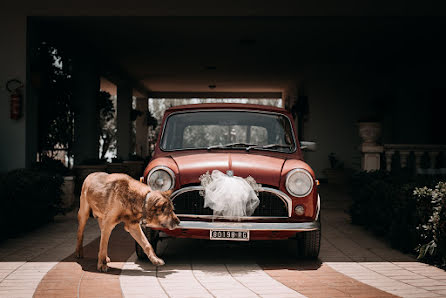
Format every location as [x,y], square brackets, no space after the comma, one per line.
[29,198]
[50,165]
[433,225]
[384,202]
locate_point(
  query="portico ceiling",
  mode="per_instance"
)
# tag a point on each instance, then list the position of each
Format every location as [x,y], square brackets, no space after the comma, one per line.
[249,54]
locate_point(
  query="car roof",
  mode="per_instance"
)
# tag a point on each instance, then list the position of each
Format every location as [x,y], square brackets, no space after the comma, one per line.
[239,106]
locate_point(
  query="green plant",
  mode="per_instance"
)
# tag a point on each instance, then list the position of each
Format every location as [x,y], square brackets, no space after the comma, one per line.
[433,231]
[385,203]
[30,198]
[52,65]
[150,121]
[50,165]
[335,163]
[107,125]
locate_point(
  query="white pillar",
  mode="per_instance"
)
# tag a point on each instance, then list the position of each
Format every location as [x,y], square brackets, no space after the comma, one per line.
[371,157]
[86,84]
[141,127]
[404,155]
[389,154]
[12,66]
[124,125]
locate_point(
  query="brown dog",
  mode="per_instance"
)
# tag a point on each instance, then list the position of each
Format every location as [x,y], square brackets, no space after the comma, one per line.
[116,198]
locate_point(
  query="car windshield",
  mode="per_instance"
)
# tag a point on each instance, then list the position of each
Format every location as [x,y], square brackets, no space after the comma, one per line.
[246,130]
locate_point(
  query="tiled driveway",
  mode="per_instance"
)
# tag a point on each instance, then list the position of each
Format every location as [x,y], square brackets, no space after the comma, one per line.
[352,264]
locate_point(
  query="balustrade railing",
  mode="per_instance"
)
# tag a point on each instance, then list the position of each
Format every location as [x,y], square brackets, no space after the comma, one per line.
[422,159]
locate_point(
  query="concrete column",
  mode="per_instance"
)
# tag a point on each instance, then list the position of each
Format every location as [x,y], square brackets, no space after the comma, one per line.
[32,100]
[12,66]
[141,127]
[124,125]
[371,157]
[86,86]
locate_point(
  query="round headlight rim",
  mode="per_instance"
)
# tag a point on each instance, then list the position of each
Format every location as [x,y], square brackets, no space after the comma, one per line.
[290,173]
[167,170]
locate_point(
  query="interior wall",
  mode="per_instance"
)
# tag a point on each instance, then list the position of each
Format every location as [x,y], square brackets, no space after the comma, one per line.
[337,98]
[414,104]
[12,65]
[409,100]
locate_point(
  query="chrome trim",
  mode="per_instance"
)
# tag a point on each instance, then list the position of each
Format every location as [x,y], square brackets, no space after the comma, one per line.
[283,196]
[251,226]
[318,206]
[183,190]
[228,110]
[242,218]
[288,175]
[166,169]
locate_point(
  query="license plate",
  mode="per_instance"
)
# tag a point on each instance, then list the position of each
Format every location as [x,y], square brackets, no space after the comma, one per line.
[241,235]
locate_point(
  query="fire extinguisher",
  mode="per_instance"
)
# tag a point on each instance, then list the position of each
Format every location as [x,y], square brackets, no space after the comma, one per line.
[14,87]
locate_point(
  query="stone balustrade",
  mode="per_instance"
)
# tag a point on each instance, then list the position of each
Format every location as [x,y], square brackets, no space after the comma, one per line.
[423,158]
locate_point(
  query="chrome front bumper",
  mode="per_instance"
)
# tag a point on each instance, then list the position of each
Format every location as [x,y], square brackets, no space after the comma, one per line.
[251,226]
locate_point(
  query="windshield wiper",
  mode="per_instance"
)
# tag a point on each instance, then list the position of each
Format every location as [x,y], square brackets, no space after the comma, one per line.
[269,146]
[231,145]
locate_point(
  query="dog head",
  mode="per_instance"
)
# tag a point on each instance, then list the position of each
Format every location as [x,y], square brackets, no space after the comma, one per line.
[159,210]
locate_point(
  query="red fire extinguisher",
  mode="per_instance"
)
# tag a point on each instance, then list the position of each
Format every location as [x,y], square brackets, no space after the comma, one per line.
[14,87]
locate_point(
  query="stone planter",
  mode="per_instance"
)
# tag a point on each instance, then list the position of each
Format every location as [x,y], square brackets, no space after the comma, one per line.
[369,132]
[134,168]
[68,198]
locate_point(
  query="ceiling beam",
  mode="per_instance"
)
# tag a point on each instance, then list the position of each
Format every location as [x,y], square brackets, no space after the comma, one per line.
[215,95]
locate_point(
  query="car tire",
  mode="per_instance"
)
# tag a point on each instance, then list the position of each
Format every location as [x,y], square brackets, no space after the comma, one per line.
[309,243]
[153,237]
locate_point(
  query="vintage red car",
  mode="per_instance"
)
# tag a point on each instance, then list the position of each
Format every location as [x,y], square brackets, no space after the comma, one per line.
[242,140]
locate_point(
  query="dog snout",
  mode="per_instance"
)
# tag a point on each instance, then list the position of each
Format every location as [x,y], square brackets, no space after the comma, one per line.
[174,222]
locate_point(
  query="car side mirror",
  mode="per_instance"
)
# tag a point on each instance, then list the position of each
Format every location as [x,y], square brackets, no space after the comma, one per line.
[308,146]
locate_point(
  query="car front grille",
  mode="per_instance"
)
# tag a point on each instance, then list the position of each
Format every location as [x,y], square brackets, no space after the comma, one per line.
[191,203]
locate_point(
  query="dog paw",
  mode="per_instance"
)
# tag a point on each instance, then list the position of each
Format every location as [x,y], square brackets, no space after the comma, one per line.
[79,254]
[157,261]
[107,259]
[102,267]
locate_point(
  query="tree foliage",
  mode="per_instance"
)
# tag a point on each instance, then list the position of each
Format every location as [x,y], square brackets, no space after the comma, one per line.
[51,65]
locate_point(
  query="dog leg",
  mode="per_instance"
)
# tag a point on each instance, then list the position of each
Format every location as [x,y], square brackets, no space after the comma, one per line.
[106,230]
[82,217]
[138,235]
[100,227]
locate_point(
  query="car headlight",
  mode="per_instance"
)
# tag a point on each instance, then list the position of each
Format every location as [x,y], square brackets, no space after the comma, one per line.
[299,182]
[161,178]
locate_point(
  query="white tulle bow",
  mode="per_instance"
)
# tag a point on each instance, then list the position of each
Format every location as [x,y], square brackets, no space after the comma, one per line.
[229,196]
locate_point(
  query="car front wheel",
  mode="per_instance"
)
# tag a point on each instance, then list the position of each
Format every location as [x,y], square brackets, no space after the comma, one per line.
[309,243]
[153,237]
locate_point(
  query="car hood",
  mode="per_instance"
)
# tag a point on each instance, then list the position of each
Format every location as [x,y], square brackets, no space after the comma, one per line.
[264,169]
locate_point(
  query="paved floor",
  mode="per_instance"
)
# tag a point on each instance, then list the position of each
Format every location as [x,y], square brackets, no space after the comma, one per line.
[352,264]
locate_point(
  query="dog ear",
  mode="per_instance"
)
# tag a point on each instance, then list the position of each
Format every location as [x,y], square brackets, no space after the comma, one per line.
[167,193]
